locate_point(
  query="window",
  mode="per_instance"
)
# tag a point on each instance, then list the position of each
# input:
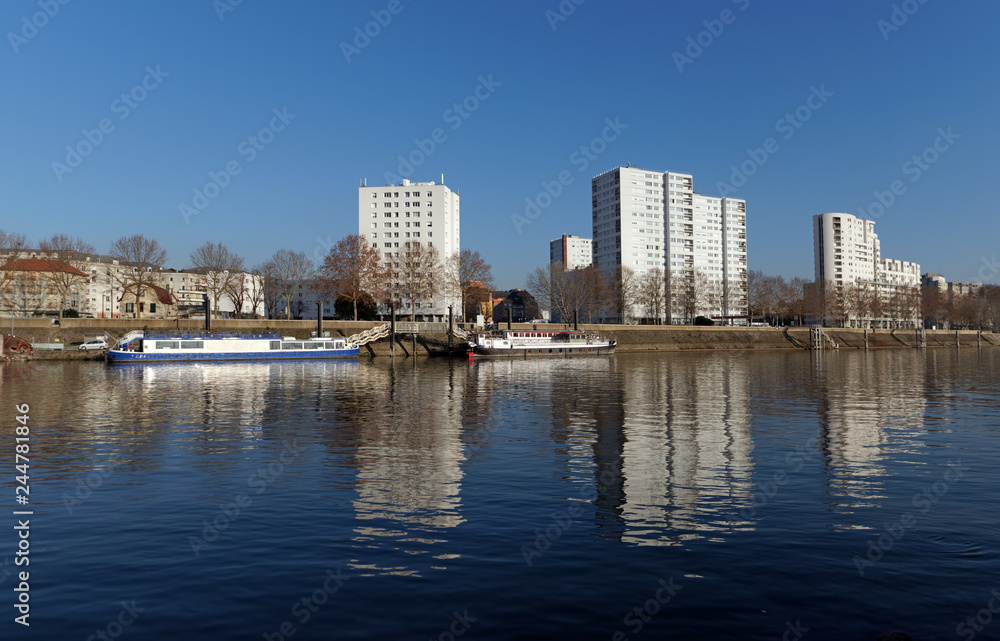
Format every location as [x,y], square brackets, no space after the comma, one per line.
[167,344]
[192,344]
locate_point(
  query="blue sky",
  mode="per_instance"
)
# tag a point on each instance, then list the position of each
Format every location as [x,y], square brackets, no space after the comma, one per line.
[214,77]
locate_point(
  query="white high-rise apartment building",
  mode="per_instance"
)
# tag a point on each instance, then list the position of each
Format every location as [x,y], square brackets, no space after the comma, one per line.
[846,248]
[393,216]
[847,253]
[647,220]
[572,252]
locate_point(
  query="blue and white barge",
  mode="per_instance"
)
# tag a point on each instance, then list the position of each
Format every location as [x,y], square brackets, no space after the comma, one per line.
[139,346]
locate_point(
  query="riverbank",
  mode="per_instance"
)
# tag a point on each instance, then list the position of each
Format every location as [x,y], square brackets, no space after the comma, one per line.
[631,338]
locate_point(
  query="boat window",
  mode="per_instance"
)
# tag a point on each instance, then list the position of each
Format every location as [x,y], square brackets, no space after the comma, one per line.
[312,345]
[275,344]
[192,344]
[291,346]
[166,344]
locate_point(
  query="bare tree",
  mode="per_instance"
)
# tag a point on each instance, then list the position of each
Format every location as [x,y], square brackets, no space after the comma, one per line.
[10,244]
[25,293]
[691,292]
[622,291]
[756,293]
[141,260]
[352,272]
[795,299]
[477,299]
[63,251]
[733,297]
[651,295]
[912,304]
[221,268]
[255,290]
[289,272]
[593,291]
[557,289]
[270,289]
[462,270]
[415,276]
[236,290]
[989,300]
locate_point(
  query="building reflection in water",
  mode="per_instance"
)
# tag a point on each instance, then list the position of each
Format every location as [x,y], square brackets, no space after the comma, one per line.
[868,405]
[409,463]
[667,445]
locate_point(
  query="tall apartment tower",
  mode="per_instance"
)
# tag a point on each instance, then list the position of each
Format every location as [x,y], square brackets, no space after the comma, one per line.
[572,252]
[394,216]
[847,252]
[846,249]
[647,220]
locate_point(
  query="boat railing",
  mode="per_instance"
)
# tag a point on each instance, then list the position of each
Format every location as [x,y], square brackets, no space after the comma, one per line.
[202,335]
[128,338]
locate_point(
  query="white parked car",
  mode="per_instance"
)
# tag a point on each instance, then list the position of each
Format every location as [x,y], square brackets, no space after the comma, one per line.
[95,343]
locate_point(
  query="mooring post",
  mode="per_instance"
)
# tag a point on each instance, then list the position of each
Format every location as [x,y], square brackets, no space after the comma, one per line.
[319,319]
[392,330]
[574,321]
[208,312]
[449,328]
[510,315]
[958,342]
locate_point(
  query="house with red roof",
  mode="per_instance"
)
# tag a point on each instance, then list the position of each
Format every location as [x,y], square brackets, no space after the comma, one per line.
[34,286]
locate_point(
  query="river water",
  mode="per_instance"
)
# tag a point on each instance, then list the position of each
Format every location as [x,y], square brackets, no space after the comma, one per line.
[642,496]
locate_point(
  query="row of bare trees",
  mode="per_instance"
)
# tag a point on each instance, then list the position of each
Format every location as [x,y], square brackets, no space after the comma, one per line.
[979,309]
[584,291]
[650,297]
[60,277]
[777,301]
[354,271]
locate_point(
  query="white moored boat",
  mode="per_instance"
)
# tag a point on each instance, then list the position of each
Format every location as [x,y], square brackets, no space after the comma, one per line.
[522,343]
[139,346]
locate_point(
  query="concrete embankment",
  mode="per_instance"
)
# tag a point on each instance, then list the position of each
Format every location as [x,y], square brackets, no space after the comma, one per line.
[631,338]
